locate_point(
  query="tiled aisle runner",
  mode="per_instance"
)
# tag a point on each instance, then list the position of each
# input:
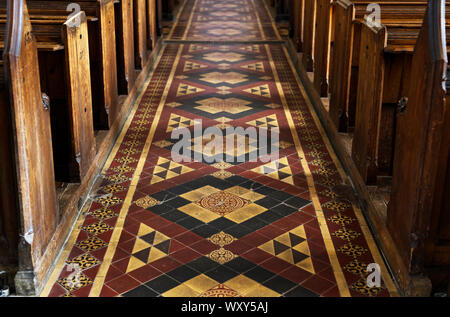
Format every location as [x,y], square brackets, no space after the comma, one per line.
[160,228]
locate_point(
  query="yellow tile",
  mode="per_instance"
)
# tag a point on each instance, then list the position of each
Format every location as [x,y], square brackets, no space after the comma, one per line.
[140,245]
[199,213]
[268,247]
[252,196]
[241,284]
[303,248]
[134,264]
[144,230]
[284,239]
[198,194]
[201,283]
[237,190]
[261,291]
[299,231]
[245,213]
[181,291]
[307,265]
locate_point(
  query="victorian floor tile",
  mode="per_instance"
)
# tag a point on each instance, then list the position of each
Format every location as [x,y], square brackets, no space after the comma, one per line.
[231,189]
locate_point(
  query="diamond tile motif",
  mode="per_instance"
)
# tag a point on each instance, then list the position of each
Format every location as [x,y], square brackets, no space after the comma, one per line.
[228,105]
[291,247]
[258,67]
[231,78]
[220,291]
[230,57]
[189,66]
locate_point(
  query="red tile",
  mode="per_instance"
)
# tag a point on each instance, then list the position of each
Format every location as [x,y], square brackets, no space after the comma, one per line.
[255,239]
[175,246]
[166,264]
[271,232]
[145,273]
[332,292]
[296,274]
[123,284]
[112,274]
[186,255]
[188,238]
[82,292]
[256,256]
[276,265]
[57,291]
[204,247]
[172,230]
[239,247]
[317,284]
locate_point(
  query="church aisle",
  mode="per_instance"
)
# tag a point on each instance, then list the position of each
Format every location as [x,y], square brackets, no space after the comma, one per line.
[157,227]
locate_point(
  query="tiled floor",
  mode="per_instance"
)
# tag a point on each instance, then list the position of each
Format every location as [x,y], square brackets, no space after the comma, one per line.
[248,228]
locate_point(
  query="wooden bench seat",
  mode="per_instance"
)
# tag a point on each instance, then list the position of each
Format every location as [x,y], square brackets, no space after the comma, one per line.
[64,64]
[385,60]
[102,50]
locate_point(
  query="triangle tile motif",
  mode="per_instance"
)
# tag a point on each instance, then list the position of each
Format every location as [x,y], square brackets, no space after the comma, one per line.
[291,247]
[265,122]
[188,66]
[258,67]
[149,247]
[262,91]
[166,169]
[185,89]
[279,170]
[177,121]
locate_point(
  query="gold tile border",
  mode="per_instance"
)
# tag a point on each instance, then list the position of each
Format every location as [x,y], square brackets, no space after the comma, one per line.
[339,275]
[390,285]
[177,19]
[112,246]
[67,248]
[189,23]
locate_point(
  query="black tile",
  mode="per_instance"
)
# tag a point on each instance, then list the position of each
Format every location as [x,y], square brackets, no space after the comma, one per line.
[249,184]
[269,217]
[238,231]
[178,202]
[264,190]
[236,180]
[141,291]
[240,265]
[279,195]
[297,202]
[203,264]
[259,274]
[182,274]
[179,190]
[221,274]
[163,196]
[254,224]
[175,215]
[283,210]
[162,284]
[190,223]
[205,231]
[300,292]
[222,223]
[279,284]
[208,180]
[161,209]
[267,202]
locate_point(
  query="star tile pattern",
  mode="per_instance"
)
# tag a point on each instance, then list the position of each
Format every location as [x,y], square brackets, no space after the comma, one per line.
[160,227]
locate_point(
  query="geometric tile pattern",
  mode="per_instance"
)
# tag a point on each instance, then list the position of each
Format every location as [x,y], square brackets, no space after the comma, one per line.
[243,228]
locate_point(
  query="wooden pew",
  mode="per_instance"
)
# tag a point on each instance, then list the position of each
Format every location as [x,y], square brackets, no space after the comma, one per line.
[298,24]
[152,28]
[418,211]
[347,17]
[64,68]
[385,60]
[102,49]
[33,157]
[126,70]
[140,33]
[309,29]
